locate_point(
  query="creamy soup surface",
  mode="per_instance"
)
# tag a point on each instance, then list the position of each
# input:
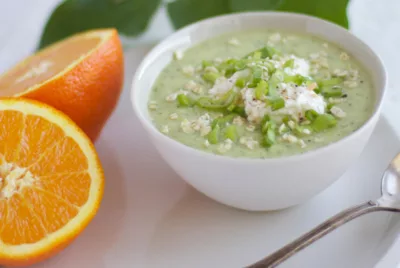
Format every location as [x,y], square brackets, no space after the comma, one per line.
[261,94]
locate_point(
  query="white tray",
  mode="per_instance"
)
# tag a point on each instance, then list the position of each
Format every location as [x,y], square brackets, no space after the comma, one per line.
[150,218]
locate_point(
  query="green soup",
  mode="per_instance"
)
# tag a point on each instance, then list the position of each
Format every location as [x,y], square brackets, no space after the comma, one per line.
[261,94]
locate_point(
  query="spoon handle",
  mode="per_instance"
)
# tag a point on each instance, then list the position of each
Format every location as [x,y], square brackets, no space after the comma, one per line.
[326,227]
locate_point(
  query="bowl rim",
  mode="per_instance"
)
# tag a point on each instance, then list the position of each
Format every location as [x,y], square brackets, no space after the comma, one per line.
[157,50]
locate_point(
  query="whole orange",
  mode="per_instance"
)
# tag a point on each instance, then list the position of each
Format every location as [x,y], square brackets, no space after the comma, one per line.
[81,76]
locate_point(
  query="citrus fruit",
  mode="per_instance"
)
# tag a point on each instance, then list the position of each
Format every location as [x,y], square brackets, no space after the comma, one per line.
[81,76]
[51,181]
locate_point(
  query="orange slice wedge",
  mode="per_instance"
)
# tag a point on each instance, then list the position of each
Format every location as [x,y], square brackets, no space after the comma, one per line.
[81,76]
[51,181]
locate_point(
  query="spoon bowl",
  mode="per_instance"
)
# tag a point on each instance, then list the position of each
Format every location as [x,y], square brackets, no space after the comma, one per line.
[391,185]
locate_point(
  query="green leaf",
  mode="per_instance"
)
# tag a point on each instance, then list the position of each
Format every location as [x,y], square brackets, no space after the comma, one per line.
[130,17]
[332,10]
[184,12]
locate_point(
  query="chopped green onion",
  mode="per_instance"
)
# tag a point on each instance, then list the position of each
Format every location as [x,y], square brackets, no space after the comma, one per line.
[230,71]
[268,125]
[222,66]
[317,90]
[311,115]
[215,122]
[286,119]
[268,129]
[254,53]
[269,139]
[222,121]
[301,130]
[259,93]
[323,122]
[231,66]
[206,63]
[264,128]
[241,82]
[239,110]
[208,103]
[297,79]
[267,52]
[228,97]
[240,65]
[264,52]
[329,106]
[213,136]
[228,118]
[225,101]
[210,77]
[277,103]
[231,107]
[332,92]
[183,100]
[257,75]
[261,90]
[233,104]
[231,133]
[289,63]
[252,85]
[257,55]
[330,82]
[265,119]
[270,66]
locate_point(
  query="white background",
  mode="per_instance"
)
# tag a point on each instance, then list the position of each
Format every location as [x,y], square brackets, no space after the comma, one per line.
[377,22]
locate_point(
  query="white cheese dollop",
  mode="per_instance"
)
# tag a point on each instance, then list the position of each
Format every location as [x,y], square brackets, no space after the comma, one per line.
[299,99]
[301,66]
[255,109]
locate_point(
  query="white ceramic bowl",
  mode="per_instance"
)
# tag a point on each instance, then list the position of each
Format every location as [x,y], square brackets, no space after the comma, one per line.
[258,184]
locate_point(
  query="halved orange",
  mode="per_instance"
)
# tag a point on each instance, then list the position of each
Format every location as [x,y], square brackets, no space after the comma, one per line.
[51,181]
[81,76]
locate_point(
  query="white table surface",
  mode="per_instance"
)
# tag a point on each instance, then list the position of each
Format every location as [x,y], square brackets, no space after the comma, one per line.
[377,22]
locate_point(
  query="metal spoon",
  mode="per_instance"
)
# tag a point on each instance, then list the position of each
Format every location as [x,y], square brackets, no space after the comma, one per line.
[389,201]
